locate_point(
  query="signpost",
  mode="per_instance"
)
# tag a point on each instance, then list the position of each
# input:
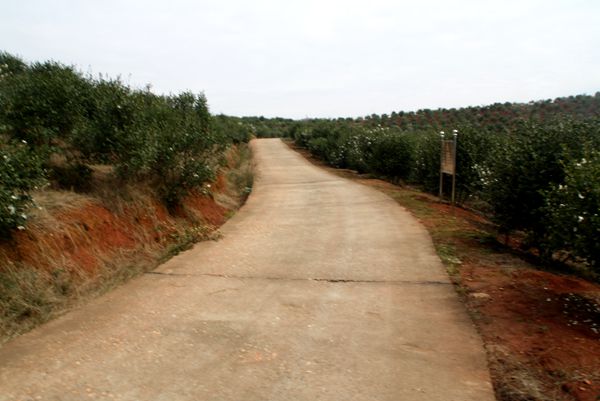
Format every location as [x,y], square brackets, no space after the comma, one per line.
[448,161]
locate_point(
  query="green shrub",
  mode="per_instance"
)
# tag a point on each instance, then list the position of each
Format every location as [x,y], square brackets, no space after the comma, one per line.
[112,112]
[10,65]
[324,140]
[426,160]
[70,122]
[529,163]
[43,104]
[319,146]
[233,128]
[20,171]
[184,147]
[391,154]
[475,150]
[572,211]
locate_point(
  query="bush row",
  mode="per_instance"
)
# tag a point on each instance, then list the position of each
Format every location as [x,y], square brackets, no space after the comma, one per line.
[56,123]
[541,178]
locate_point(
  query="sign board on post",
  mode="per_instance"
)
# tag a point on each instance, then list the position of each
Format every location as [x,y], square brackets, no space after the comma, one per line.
[448,157]
[448,161]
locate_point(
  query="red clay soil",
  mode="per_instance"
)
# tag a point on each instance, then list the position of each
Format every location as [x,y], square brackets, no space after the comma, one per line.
[220,184]
[211,212]
[78,239]
[548,322]
[84,237]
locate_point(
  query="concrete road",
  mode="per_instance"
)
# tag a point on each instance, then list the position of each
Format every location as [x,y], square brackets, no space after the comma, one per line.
[320,289]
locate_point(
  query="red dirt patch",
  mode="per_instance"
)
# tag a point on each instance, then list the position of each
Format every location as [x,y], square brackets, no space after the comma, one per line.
[211,212]
[549,323]
[104,229]
[82,238]
[77,240]
[220,184]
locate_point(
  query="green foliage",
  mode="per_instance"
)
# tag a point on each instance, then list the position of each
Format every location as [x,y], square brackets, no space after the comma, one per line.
[389,154]
[10,64]
[529,163]
[184,148]
[43,104]
[475,150]
[572,209]
[352,148]
[426,165]
[20,171]
[325,143]
[71,122]
[238,130]
[267,127]
[112,112]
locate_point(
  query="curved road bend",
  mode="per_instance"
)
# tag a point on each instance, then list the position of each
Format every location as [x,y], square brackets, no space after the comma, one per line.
[320,289]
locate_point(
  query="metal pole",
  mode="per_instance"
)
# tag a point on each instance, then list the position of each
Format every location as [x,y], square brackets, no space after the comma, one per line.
[441,164]
[455,135]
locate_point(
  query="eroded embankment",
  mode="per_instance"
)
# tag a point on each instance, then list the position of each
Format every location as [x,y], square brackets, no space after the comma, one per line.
[79,245]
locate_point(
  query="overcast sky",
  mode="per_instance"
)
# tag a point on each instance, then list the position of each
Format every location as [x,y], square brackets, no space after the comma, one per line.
[325,58]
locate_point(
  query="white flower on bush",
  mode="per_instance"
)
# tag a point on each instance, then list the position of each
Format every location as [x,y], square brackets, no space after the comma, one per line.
[580,218]
[580,196]
[12,209]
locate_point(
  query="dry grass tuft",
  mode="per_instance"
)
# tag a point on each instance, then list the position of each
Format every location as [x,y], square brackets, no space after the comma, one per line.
[514,380]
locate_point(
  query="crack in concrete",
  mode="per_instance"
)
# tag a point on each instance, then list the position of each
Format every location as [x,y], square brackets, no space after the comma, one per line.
[328,280]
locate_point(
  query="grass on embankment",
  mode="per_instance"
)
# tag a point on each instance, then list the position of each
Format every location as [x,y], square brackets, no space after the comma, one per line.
[77,246]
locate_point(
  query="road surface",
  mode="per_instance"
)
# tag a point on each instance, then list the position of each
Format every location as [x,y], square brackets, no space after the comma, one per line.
[320,289]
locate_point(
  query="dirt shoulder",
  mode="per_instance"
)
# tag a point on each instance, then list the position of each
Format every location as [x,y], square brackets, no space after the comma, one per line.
[541,329]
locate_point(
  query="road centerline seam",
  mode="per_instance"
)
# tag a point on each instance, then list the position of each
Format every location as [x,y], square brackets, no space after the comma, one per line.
[318,279]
